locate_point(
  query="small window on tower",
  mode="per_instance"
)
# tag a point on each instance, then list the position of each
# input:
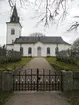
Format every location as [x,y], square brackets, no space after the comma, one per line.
[12,31]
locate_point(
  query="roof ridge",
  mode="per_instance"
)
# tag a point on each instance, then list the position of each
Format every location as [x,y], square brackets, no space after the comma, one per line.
[41,36]
[47,39]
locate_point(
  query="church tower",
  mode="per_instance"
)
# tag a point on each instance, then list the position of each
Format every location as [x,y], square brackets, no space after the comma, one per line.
[13,27]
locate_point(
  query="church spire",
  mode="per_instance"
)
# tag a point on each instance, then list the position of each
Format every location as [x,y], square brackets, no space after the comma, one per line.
[14,18]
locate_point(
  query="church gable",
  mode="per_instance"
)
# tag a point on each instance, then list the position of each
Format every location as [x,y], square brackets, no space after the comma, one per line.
[38,43]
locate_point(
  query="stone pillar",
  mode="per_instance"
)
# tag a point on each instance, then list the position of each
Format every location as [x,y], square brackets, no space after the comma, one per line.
[7,81]
[67,80]
[76,80]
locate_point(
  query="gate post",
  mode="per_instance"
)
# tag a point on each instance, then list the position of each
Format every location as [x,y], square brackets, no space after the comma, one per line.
[67,80]
[7,81]
[37,79]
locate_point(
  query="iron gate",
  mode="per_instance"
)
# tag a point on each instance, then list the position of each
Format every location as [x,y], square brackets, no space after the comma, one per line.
[37,80]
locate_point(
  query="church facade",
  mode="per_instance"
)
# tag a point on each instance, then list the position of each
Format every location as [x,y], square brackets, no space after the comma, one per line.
[34,45]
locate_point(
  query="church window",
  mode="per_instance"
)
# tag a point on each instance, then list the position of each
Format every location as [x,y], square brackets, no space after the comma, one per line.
[48,50]
[12,31]
[29,50]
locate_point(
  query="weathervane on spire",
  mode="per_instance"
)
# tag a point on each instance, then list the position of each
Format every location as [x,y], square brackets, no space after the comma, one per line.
[12,3]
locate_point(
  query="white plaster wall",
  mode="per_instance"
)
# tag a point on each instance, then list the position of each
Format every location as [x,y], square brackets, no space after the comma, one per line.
[35,47]
[43,48]
[39,44]
[63,47]
[17,47]
[25,49]
[10,37]
[10,47]
[52,49]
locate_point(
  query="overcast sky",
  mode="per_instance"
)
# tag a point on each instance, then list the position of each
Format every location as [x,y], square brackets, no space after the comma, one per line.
[29,24]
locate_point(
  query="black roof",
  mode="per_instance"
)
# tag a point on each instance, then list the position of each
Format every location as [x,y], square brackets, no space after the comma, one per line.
[14,18]
[43,39]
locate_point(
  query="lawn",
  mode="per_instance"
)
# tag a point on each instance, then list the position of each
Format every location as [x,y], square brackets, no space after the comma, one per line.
[58,65]
[10,66]
[4,96]
[72,97]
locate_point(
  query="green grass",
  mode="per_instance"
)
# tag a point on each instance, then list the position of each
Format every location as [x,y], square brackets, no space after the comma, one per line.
[61,65]
[10,66]
[4,96]
[72,97]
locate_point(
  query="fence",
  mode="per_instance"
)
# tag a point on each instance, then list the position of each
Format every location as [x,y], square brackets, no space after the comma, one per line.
[37,80]
[32,80]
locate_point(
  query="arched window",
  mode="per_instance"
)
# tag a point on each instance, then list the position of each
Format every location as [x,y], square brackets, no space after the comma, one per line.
[29,50]
[12,31]
[48,50]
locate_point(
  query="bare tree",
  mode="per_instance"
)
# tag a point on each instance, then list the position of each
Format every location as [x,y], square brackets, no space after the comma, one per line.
[53,9]
[74,25]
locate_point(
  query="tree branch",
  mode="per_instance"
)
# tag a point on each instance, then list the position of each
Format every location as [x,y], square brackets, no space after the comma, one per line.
[73,27]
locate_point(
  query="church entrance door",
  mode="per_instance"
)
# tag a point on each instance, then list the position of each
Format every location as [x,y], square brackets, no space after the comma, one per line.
[39,51]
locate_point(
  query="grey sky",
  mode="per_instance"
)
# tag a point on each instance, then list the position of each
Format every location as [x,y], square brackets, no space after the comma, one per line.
[29,24]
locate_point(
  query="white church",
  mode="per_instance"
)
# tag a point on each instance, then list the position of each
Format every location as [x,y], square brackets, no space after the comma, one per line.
[35,44]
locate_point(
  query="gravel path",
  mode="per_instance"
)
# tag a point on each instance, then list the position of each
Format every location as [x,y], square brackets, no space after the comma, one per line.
[36,98]
[40,63]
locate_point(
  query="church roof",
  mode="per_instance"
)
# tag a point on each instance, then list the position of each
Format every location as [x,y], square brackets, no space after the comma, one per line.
[43,39]
[14,18]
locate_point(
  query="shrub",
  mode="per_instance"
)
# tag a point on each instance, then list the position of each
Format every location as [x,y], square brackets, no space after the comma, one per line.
[3,59]
[14,59]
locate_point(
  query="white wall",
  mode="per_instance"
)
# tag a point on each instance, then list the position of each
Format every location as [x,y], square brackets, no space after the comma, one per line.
[17,28]
[63,47]
[17,47]
[43,48]
[25,49]
[35,47]
[10,47]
